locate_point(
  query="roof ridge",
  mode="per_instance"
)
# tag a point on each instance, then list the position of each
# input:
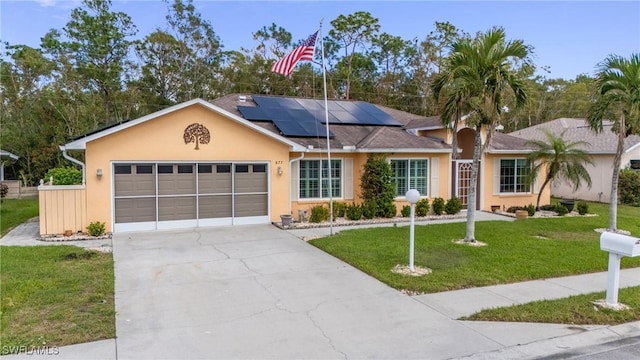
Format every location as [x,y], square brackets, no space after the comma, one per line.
[369,138]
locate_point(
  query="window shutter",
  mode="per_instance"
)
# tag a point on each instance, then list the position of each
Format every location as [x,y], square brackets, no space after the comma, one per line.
[496,176]
[435,173]
[348,179]
[536,182]
[295,180]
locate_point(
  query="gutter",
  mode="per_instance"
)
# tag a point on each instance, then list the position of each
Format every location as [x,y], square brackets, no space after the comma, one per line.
[290,164]
[75,161]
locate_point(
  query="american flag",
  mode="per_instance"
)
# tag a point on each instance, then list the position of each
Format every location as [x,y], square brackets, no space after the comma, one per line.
[305,51]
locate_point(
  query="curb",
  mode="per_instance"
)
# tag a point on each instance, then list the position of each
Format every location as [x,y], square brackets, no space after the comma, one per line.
[568,346]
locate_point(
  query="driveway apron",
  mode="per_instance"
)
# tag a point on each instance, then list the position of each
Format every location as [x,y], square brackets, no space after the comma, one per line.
[259,292]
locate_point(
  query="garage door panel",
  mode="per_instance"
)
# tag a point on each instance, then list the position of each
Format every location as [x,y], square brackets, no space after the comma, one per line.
[214,183]
[251,182]
[176,184]
[135,210]
[182,194]
[251,205]
[214,206]
[176,208]
[135,185]
[176,179]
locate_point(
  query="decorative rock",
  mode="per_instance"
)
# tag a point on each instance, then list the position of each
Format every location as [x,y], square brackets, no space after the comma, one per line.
[417,270]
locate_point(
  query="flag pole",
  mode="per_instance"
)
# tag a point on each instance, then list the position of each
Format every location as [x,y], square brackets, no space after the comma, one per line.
[326,117]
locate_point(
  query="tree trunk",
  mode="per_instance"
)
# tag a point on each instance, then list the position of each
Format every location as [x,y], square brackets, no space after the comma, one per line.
[613,201]
[544,184]
[470,235]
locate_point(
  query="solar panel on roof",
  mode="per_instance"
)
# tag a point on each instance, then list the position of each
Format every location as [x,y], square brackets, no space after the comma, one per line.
[346,117]
[381,117]
[310,114]
[253,113]
[301,128]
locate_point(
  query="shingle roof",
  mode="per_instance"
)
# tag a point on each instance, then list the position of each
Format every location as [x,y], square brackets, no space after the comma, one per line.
[360,136]
[6,154]
[506,142]
[578,130]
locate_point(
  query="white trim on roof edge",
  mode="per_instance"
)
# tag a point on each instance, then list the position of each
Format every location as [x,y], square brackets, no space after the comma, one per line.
[81,144]
[382,150]
[631,148]
[508,152]
[10,155]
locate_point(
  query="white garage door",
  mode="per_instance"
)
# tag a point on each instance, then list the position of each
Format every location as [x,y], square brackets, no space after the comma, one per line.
[151,196]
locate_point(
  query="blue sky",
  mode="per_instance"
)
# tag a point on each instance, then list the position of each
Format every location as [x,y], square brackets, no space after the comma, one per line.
[569,37]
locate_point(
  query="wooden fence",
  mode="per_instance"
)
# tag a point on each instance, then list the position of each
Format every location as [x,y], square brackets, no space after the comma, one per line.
[62,208]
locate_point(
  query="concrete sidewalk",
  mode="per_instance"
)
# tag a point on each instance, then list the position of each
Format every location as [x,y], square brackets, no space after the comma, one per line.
[432,321]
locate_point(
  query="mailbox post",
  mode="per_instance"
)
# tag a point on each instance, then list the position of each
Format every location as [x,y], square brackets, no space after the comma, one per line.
[617,245]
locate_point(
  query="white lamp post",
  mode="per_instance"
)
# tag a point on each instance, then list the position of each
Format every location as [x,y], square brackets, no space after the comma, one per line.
[412,197]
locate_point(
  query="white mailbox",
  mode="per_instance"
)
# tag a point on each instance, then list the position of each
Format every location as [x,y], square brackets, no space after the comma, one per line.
[620,244]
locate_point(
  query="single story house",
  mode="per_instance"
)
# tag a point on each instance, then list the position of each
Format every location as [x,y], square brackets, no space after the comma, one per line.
[244,159]
[603,147]
[6,157]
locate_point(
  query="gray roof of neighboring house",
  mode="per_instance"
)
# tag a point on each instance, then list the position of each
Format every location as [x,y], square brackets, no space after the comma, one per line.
[505,142]
[579,130]
[6,154]
[361,136]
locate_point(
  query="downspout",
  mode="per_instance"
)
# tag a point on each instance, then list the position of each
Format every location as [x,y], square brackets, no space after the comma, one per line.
[290,164]
[75,161]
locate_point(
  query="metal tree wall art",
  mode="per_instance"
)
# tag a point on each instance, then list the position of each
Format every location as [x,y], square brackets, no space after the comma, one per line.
[196,133]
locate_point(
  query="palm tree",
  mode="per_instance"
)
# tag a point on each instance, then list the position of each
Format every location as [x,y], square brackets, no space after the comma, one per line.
[562,159]
[475,77]
[617,97]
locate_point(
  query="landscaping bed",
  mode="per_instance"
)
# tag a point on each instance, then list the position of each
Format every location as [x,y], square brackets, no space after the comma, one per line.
[346,222]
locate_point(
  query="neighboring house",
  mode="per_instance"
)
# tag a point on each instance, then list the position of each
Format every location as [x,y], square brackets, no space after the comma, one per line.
[603,149]
[6,157]
[245,159]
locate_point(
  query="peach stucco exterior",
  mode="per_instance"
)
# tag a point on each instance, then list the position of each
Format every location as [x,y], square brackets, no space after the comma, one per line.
[438,169]
[159,138]
[162,140]
[490,194]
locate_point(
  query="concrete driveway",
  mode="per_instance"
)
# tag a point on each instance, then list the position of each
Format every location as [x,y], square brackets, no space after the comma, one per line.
[259,292]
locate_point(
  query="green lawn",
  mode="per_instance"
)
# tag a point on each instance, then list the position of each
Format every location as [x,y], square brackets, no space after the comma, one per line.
[577,310]
[14,212]
[54,296]
[516,251]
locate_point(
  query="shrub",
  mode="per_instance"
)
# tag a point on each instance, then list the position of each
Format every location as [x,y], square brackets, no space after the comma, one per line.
[339,209]
[369,210]
[438,206]
[583,207]
[64,176]
[354,212]
[453,206]
[96,228]
[422,207]
[377,187]
[406,211]
[531,209]
[548,207]
[319,213]
[390,210]
[561,210]
[629,187]
[4,189]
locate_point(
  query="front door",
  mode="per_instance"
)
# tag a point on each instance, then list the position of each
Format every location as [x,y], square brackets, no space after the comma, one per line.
[463,182]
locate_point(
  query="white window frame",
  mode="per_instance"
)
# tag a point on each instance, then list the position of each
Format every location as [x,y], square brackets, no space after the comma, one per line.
[320,179]
[515,177]
[408,175]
